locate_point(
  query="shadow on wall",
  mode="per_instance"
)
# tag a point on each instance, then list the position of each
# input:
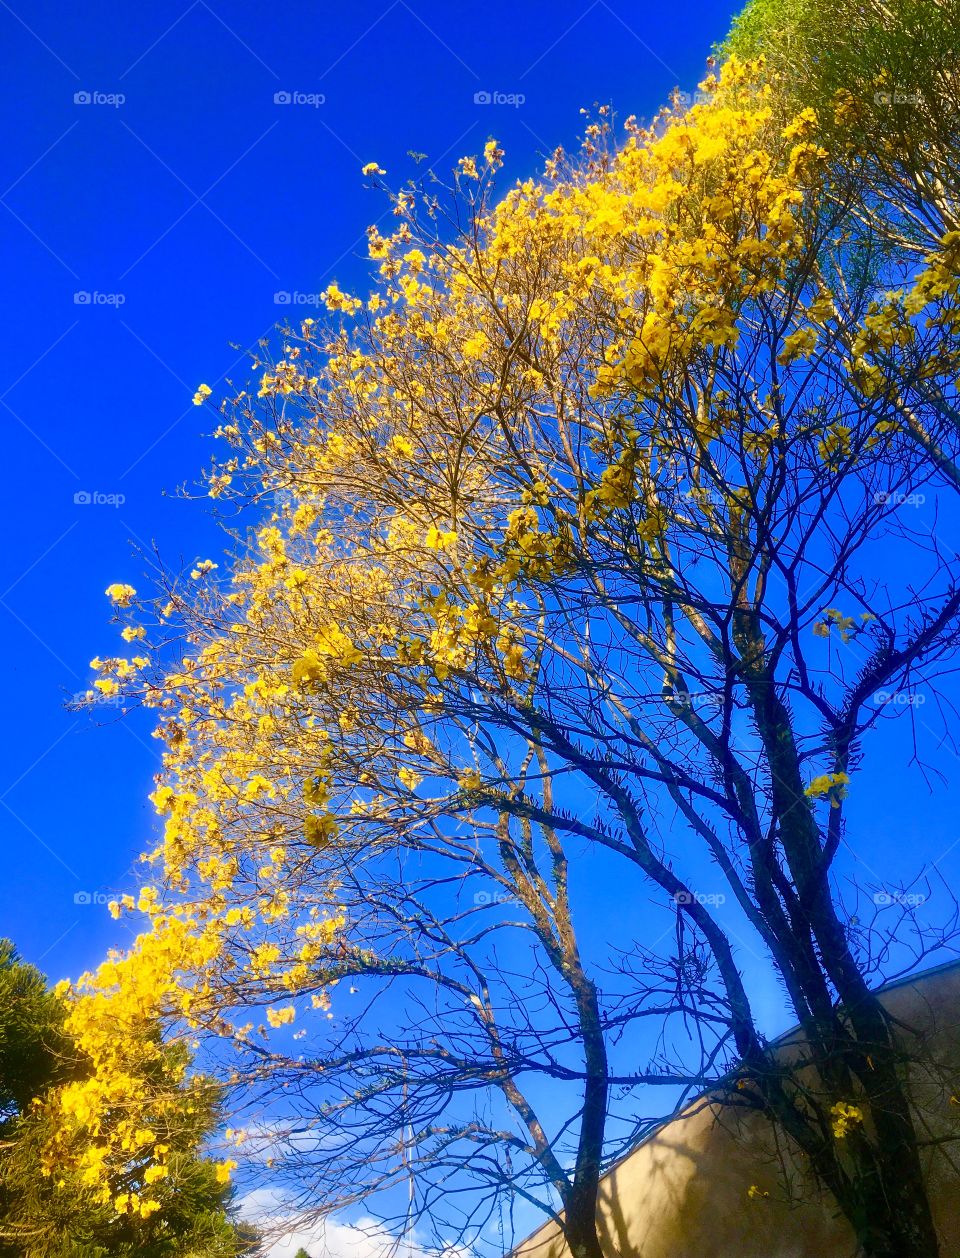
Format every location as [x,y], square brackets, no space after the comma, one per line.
[683,1192]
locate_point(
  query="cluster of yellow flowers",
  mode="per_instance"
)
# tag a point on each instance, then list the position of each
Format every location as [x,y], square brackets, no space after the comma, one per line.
[671,234]
[551,385]
[902,318]
[847,626]
[831,786]
[845,1118]
[113,1126]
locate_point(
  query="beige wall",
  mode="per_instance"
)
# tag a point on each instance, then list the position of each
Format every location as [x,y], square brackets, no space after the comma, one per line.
[683,1192]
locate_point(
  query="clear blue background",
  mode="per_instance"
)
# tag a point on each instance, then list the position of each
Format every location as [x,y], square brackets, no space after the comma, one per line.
[196,200]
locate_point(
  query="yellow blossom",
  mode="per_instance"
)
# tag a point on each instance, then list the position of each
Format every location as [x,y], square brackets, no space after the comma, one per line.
[120,595]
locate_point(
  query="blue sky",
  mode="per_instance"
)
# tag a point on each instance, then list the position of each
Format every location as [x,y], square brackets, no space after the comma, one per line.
[168,170]
[161,166]
[157,194]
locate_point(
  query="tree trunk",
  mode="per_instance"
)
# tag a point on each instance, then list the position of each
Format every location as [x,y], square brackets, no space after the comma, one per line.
[895,1225]
[582,1239]
[882,1194]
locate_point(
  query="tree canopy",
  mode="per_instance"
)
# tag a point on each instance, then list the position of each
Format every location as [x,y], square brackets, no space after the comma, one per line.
[568,586]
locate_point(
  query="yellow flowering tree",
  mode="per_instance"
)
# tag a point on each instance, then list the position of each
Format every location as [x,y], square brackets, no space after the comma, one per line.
[570,570]
[882,78]
[102,1166]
